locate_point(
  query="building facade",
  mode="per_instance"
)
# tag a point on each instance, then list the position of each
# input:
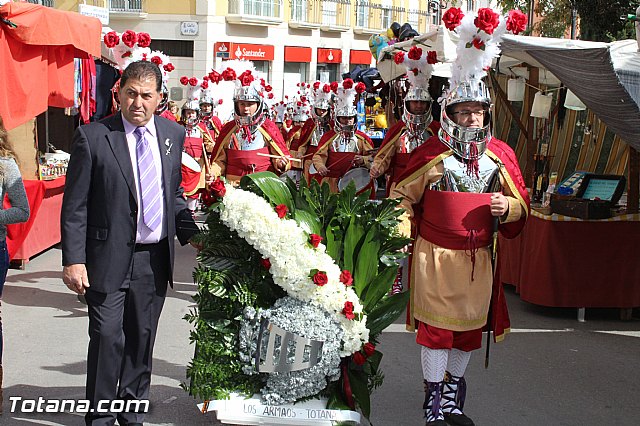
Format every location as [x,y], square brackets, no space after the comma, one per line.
[289,41]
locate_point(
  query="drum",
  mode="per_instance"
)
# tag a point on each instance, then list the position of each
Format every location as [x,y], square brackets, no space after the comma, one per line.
[190,163]
[359,176]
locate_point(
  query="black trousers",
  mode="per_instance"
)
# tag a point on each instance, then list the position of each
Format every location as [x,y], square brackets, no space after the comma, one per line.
[122,331]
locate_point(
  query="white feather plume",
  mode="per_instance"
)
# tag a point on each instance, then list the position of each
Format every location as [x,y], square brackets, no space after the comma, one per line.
[471,63]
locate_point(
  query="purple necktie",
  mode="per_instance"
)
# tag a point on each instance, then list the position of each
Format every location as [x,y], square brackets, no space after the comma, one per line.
[149,194]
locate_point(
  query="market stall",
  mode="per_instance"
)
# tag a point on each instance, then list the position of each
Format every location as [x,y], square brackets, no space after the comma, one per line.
[38,46]
[563,261]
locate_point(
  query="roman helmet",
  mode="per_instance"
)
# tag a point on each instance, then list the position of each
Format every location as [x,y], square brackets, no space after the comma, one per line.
[478,44]
[345,105]
[321,100]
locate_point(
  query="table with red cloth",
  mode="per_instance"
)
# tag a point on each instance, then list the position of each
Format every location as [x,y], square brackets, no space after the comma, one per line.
[561,261]
[42,230]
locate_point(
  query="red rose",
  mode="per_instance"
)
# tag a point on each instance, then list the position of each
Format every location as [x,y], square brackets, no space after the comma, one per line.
[516,22]
[266,263]
[320,278]
[268,88]
[184,80]
[398,58]
[359,358]
[415,71]
[127,54]
[303,98]
[369,348]
[217,187]
[360,87]
[169,67]
[316,85]
[347,84]
[326,88]
[346,278]
[156,60]
[229,74]
[219,101]
[144,40]
[334,86]
[452,18]
[204,84]
[282,210]
[246,78]
[414,53]
[111,39]
[214,76]
[129,38]
[208,199]
[432,57]
[270,96]
[315,239]
[478,43]
[348,310]
[487,20]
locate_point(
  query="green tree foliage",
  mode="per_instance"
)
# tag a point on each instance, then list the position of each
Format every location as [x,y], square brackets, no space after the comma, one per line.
[599,20]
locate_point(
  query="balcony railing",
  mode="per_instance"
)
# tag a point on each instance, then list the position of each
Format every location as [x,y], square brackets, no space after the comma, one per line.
[126,6]
[421,20]
[256,12]
[375,17]
[48,3]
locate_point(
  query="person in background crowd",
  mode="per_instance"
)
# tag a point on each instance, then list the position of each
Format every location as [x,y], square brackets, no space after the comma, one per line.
[344,147]
[416,125]
[12,187]
[174,109]
[316,126]
[250,142]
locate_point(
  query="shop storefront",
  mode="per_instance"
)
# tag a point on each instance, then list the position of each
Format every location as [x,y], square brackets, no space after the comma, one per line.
[296,67]
[329,61]
[260,54]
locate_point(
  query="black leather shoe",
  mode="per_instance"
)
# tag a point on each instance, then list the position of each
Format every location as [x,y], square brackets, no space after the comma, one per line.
[458,420]
[437,423]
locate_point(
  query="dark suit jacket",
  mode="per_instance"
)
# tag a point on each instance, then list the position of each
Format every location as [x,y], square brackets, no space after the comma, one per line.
[99,208]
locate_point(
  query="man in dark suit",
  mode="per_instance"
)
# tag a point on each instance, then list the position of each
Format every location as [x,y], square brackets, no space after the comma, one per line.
[122,209]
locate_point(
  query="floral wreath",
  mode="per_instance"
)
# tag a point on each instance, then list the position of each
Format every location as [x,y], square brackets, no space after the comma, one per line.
[296,260]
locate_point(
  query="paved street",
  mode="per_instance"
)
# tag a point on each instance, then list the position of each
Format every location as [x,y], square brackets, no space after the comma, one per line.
[551,370]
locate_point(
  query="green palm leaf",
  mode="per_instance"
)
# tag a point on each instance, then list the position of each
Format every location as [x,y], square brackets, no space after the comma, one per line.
[269,185]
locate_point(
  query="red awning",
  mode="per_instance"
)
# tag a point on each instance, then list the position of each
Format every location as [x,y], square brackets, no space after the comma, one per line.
[37,58]
[329,56]
[360,57]
[297,54]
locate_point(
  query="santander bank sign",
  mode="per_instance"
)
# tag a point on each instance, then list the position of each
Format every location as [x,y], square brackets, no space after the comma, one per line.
[260,52]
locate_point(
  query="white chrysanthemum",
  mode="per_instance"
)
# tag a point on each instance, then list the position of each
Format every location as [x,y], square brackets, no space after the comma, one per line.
[285,244]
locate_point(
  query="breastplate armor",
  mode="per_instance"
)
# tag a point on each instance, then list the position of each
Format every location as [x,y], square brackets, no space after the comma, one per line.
[408,142]
[318,131]
[340,144]
[455,178]
[248,145]
[193,132]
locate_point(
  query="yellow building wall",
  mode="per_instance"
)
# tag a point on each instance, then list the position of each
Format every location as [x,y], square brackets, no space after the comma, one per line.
[169,7]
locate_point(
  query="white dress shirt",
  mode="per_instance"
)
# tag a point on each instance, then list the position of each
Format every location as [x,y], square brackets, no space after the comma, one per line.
[144,235]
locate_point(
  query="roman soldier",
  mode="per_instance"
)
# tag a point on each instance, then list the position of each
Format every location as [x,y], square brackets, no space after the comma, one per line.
[460,188]
[250,142]
[195,163]
[316,126]
[344,147]
[416,125]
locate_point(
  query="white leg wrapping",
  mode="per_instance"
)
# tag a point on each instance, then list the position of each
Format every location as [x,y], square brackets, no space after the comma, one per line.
[434,363]
[458,361]
[192,203]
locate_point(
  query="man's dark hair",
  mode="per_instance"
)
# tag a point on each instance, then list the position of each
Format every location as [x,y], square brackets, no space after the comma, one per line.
[142,70]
